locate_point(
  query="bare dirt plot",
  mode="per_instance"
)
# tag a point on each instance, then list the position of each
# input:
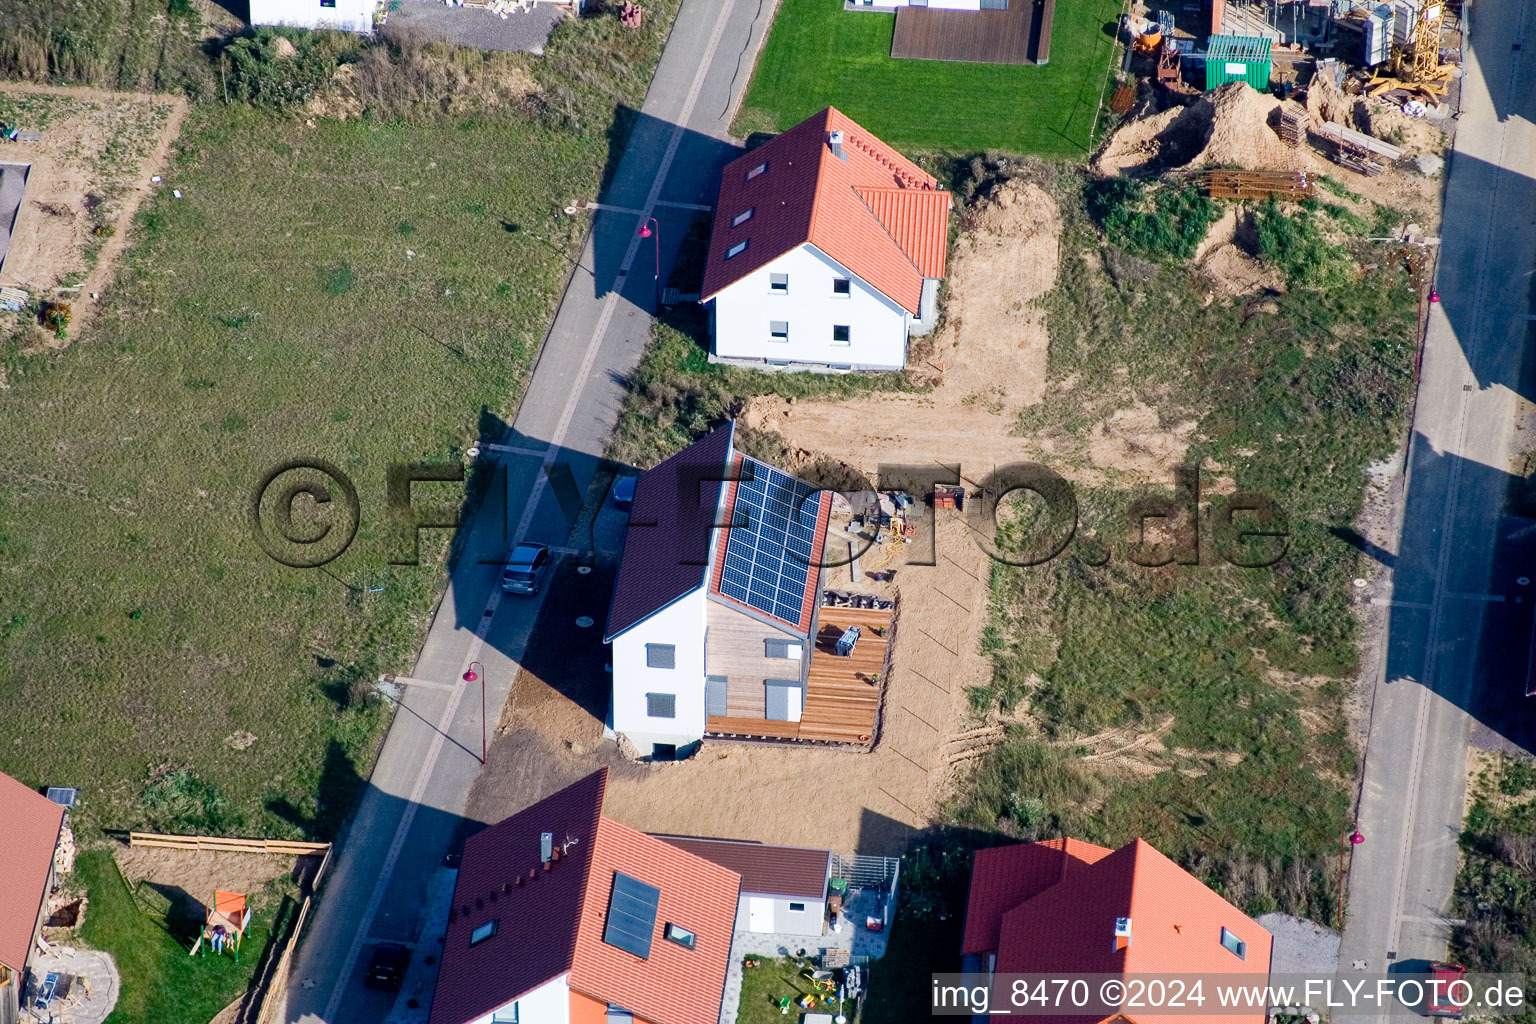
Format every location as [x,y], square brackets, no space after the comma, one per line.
[197,874]
[90,171]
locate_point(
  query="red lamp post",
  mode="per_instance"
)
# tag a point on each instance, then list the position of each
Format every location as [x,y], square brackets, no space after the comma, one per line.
[1355,839]
[647,230]
[470,677]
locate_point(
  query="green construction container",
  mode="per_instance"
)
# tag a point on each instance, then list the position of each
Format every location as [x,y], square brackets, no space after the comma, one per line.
[1237,59]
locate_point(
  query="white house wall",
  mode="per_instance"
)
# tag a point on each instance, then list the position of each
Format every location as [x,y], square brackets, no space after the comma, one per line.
[743,311]
[550,1003]
[346,15]
[785,921]
[680,624]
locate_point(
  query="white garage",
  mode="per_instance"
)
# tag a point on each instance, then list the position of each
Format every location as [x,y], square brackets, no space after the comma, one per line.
[783,888]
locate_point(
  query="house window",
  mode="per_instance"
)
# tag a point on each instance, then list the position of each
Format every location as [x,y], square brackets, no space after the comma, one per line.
[660,656]
[759,169]
[661,705]
[1234,945]
[798,908]
[505,1015]
[778,330]
[779,283]
[841,286]
[484,932]
[328,3]
[742,217]
[716,696]
[737,249]
[840,334]
[781,649]
[680,935]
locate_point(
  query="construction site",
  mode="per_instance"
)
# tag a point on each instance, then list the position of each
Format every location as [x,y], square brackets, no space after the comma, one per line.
[1337,85]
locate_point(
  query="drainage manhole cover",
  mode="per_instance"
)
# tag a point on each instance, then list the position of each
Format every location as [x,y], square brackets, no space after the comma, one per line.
[583,569]
[584,621]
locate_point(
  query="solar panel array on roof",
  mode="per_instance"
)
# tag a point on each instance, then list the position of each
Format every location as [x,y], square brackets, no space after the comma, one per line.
[768,556]
[631,915]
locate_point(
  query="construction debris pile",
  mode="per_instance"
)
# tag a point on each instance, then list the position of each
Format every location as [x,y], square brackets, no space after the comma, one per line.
[1325,82]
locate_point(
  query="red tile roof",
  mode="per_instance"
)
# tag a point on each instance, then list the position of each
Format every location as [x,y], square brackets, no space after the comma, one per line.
[501,878]
[876,213]
[1002,877]
[551,922]
[671,526]
[32,824]
[675,985]
[1176,924]
[769,870]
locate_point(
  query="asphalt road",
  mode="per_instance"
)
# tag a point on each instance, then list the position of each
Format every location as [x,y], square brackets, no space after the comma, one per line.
[411,813]
[1458,636]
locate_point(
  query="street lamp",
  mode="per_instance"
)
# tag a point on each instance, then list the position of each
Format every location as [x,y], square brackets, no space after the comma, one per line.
[647,231]
[469,677]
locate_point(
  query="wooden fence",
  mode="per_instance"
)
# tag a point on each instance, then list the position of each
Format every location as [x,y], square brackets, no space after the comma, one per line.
[218,844]
[275,986]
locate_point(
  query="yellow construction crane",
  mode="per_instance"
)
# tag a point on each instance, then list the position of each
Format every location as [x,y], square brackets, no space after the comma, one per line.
[1417,66]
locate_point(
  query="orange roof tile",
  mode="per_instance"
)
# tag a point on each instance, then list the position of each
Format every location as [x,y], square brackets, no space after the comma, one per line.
[1002,877]
[551,920]
[805,194]
[32,831]
[674,985]
[1176,924]
[917,219]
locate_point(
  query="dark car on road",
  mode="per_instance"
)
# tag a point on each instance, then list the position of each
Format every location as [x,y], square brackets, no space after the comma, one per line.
[525,570]
[387,968]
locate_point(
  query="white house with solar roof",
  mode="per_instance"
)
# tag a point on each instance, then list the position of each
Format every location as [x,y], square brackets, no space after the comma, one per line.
[715,613]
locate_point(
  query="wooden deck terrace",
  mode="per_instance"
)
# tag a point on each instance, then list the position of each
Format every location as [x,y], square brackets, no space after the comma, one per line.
[1019,35]
[842,695]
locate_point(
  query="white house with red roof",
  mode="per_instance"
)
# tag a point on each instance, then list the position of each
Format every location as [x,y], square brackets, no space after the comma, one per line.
[32,826]
[563,916]
[715,608]
[827,251]
[1068,907]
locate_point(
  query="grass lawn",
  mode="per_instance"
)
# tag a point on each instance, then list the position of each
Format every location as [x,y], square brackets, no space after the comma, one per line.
[763,986]
[161,984]
[819,54]
[366,292]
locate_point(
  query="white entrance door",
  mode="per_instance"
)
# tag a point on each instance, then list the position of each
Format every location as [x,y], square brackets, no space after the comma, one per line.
[759,914]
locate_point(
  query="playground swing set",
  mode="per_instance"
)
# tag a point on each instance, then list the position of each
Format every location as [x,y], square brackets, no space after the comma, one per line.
[228,916]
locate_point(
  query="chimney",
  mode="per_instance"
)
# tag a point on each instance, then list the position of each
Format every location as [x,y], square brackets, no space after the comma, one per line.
[1122,933]
[835,140]
[546,847]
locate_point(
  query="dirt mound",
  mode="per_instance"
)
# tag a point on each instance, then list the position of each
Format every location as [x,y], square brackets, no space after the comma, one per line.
[1137,144]
[1135,441]
[1228,265]
[1229,127]
[1233,272]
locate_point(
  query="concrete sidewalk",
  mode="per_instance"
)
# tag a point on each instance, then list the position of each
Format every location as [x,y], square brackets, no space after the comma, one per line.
[1458,622]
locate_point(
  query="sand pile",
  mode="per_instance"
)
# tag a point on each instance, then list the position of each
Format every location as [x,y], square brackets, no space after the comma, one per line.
[1229,127]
